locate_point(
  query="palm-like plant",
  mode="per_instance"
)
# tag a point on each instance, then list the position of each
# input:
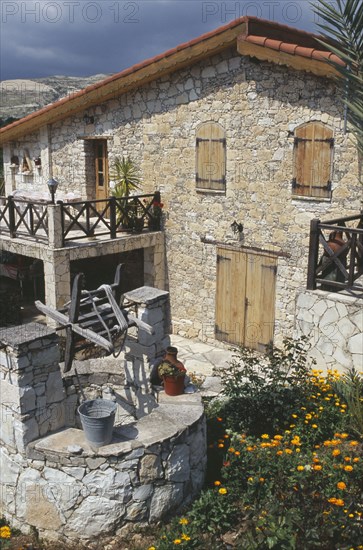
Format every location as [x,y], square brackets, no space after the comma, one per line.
[126,176]
[344,23]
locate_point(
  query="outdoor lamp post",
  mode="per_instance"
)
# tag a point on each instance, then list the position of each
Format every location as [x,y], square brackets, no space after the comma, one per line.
[52,186]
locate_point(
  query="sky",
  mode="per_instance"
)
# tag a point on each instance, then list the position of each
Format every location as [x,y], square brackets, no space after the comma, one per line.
[41,38]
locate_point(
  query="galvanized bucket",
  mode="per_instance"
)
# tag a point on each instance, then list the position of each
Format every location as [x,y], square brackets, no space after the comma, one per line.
[98,417]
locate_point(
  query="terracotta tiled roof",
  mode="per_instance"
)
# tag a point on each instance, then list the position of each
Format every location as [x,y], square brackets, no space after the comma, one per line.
[255,37]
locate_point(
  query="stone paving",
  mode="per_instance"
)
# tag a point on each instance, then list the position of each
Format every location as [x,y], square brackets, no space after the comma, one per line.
[202,359]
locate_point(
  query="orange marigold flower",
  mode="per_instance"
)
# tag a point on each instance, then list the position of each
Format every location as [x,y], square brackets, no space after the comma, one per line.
[217,483]
[279,453]
[353,443]
[231,450]
[237,453]
[265,436]
[348,468]
[336,452]
[278,437]
[220,445]
[288,451]
[356,459]
[336,501]
[317,467]
[314,426]
[341,485]
[347,459]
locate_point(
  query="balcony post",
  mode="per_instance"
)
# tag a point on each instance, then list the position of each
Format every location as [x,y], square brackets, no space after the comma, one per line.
[313,254]
[55,233]
[113,217]
[11,216]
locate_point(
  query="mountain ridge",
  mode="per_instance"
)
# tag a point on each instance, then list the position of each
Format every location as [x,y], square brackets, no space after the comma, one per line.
[20,97]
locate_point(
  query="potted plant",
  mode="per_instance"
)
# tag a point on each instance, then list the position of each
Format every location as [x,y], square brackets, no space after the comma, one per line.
[126,177]
[156,211]
[173,377]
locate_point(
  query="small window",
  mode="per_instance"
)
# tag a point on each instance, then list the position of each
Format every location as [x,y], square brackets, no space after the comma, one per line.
[313,157]
[211,157]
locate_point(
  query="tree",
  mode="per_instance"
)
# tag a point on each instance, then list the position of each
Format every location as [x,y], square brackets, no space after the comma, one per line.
[343,35]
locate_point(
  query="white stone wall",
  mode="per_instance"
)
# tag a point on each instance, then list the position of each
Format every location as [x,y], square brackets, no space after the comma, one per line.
[259,105]
[333,324]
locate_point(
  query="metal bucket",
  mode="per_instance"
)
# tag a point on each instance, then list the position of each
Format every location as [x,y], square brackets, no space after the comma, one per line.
[97,417]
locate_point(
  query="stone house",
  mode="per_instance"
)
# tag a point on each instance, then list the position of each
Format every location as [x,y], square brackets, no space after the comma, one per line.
[243,132]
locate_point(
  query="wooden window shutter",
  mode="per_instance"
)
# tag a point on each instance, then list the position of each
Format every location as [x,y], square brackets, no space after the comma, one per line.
[313,153]
[211,157]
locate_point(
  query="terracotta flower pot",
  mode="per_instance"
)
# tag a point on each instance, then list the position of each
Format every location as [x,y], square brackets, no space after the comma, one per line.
[174,385]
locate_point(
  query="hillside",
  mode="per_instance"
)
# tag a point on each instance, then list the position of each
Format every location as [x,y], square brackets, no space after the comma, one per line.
[21,97]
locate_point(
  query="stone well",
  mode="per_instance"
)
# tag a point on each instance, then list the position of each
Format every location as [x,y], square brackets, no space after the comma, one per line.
[51,478]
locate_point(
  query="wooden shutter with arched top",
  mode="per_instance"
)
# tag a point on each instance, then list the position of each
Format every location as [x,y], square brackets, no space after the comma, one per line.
[313,153]
[211,157]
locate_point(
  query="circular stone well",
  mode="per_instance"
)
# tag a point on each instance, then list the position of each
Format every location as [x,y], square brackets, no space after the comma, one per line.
[152,467]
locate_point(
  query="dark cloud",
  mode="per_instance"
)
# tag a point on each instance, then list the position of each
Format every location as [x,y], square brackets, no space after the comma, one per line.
[85,37]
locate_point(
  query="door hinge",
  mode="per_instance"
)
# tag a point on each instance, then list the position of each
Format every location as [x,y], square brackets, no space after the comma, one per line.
[222,259]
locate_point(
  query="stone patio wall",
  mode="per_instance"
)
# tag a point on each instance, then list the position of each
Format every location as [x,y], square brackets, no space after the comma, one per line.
[333,325]
[52,479]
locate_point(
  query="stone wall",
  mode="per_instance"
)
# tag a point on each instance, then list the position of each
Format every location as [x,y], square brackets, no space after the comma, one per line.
[52,479]
[333,324]
[259,105]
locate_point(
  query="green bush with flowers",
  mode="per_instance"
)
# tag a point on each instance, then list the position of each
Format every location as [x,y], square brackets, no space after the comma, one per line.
[298,484]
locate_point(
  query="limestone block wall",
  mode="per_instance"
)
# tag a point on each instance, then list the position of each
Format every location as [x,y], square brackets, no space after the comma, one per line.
[259,105]
[32,395]
[333,324]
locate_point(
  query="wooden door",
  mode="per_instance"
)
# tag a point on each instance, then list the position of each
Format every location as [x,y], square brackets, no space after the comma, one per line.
[101,169]
[245,298]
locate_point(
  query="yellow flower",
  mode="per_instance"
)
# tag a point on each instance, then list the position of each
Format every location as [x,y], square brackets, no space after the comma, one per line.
[262,479]
[314,426]
[184,521]
[250,479]
[300,468]
[237,453]
[216,483]
[222,491]
[353,443]
[341,485]
[317,467]
[279,453]
[5,532]
[288,451]
[294,415]
[220,445]
[356,459]
[185,537]
[347,458]
[177,541]
[151,548]
[250,448]
[348,468]
[231,450]
[278,437]
[336,452]
[265,436]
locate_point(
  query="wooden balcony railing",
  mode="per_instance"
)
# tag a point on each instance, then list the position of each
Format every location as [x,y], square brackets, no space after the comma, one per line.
[338,267]
[79,220]
[20,217]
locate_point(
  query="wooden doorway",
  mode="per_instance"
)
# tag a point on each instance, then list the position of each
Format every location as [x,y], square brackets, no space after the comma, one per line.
[245,298]
[101,169]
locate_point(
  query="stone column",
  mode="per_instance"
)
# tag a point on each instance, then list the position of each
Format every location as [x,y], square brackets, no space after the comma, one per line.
[57,278]
[141,348]
[31,387]
[55,226]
